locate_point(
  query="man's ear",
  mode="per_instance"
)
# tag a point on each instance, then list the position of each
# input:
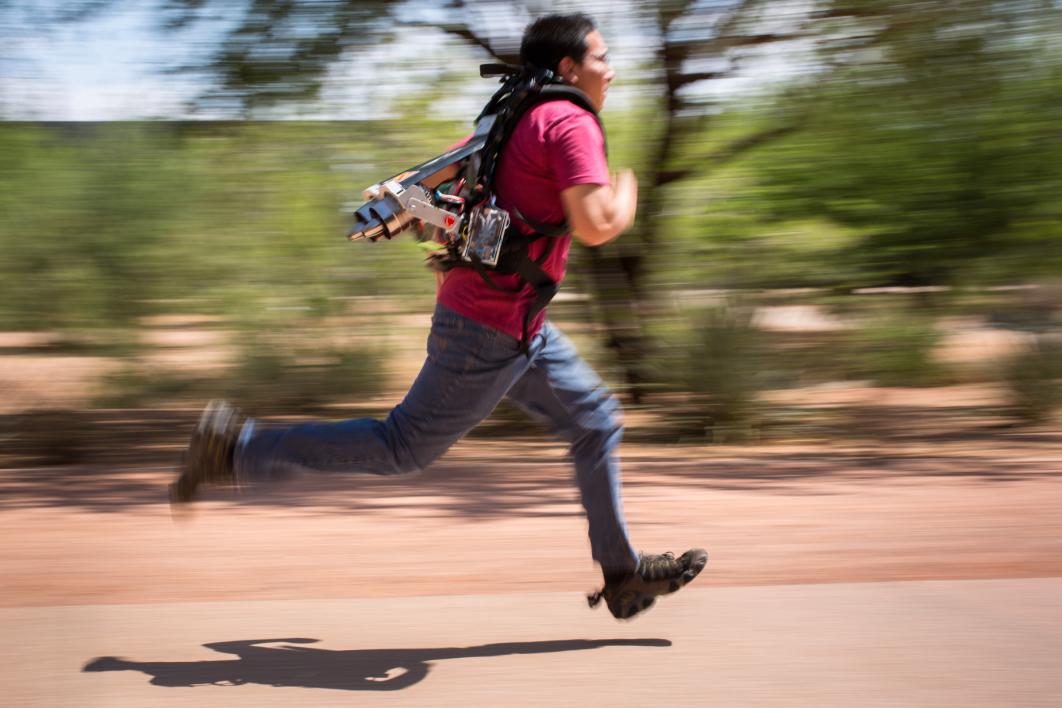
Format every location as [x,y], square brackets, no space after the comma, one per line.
[566,69]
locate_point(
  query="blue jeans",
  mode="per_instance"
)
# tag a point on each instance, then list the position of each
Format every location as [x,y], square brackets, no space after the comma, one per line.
[469,369]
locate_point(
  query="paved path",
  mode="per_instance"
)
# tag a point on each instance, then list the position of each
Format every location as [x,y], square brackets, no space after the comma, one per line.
[934,643]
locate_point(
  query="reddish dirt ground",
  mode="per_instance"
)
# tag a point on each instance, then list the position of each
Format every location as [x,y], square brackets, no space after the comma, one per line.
[883,484]
[498,516]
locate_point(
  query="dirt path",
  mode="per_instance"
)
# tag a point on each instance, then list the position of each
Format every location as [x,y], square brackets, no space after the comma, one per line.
[503,517]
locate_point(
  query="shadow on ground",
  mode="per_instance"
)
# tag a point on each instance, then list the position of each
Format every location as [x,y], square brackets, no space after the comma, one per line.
[349,670]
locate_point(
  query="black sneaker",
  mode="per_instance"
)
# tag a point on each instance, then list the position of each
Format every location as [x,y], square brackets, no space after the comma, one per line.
[635,592]
[209,456]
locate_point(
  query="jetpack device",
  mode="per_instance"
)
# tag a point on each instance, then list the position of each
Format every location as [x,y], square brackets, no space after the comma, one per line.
[391,206]
[476,232]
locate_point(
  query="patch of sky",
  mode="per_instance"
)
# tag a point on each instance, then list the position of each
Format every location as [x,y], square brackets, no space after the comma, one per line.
[118,63]
[114,64]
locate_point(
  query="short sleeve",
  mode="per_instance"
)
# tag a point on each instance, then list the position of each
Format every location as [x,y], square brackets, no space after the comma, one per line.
[575,148]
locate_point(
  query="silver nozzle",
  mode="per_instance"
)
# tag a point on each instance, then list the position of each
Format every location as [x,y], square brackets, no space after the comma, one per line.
[380,217]
[371,230]
[393,215]
[366,225]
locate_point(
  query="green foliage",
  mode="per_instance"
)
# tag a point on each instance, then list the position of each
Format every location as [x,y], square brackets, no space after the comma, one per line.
[1034,380]
[927,153]
[134,386]
[292,373]
[714,359]
[84,214]
[943,156]
[285,372]
[893,347]
[924,150]
[102,224]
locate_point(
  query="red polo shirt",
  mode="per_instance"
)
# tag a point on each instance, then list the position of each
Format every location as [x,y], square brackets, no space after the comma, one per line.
[555,146]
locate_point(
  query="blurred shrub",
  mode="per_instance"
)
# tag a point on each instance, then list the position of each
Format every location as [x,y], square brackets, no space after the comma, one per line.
[286,372]
[102,224]
[47,436]
[1034,380]
[714,363]
[84,211]
[134,386]
[894,348]
[287,376]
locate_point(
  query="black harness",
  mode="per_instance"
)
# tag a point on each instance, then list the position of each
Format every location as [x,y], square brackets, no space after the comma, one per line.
[520,92]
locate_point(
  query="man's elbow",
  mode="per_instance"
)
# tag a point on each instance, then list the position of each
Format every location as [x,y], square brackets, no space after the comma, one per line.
[596,234]
[596,214]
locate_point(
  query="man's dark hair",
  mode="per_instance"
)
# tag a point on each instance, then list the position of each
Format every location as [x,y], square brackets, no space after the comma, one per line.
[549,39]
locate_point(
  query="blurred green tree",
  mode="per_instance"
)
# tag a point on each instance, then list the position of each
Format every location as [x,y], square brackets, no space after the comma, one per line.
[939,147]
[84,212]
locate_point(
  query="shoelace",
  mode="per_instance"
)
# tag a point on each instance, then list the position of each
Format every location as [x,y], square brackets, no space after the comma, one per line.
[656,567]
[661,567]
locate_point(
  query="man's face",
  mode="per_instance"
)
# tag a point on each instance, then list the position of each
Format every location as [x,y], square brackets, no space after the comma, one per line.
[593,74]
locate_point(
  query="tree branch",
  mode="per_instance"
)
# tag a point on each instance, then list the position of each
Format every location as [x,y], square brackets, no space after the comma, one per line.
[740,147]
[465,34]
[726,154]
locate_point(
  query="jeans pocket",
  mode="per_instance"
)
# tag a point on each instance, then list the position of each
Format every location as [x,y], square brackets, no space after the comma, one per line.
[458,343]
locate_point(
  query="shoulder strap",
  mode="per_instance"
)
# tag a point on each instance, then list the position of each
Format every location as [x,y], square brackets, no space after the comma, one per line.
[521,99]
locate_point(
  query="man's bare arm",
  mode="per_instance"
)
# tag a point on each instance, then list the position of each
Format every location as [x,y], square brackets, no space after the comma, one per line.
[599,213]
